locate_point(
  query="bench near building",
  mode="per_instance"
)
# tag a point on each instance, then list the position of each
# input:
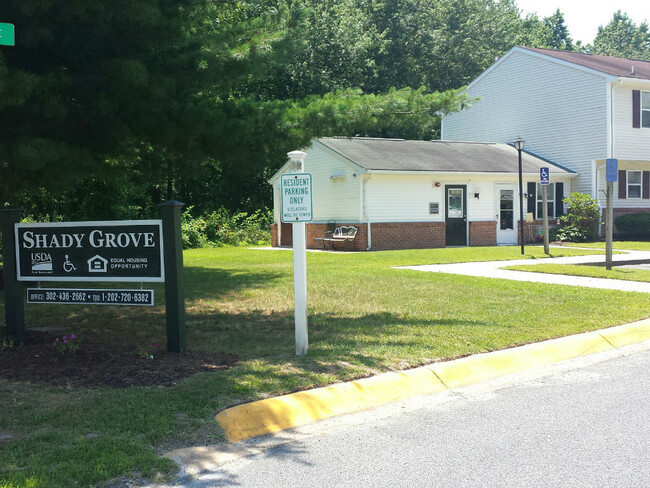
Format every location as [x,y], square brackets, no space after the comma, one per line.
[402,194]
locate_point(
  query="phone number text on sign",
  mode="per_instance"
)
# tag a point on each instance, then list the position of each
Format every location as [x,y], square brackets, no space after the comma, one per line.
[78,296]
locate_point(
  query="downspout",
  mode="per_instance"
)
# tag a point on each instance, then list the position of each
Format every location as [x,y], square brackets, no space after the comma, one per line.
[365,209]
[610,149]
[278,218]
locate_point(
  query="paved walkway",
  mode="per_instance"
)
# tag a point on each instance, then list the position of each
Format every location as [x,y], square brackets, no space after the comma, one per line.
[491,269]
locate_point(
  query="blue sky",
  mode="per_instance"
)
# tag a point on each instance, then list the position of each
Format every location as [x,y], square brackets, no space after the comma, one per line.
[582,17]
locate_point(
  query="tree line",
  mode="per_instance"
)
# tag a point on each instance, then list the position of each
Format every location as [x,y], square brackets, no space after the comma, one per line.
[108,108]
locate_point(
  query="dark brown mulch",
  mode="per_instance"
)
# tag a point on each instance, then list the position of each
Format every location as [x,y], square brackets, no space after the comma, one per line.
[98,364]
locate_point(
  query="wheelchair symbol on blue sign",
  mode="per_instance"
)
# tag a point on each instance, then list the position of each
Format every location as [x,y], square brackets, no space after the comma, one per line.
[545,176]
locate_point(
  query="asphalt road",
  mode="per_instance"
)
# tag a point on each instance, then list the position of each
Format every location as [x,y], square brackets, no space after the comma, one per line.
[584,423]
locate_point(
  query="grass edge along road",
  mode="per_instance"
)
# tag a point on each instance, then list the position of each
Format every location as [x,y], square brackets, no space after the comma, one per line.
[364,318]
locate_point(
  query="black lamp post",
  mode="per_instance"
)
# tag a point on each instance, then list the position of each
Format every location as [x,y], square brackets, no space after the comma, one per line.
[519,144]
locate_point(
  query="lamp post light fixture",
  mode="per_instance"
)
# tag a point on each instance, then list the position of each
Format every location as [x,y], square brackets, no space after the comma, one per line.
[519,145]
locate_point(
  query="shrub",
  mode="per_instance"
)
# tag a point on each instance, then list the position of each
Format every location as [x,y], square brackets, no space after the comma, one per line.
[637,224]
[221,228]
[192,230]
[570,233]
[581,220]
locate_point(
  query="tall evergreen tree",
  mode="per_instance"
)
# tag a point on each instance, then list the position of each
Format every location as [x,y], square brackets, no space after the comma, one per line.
[623,38]
[94,85]
[549,32]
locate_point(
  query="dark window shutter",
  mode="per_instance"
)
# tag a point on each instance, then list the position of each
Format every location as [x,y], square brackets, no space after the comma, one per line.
[646,184]
[622,184]
[531,203]
[559,196]
[636,109]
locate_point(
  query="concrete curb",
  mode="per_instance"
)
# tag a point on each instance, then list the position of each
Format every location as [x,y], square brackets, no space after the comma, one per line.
[275,414]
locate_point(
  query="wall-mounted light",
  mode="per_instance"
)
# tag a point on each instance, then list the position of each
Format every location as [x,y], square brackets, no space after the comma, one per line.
[337,176]
[477,195]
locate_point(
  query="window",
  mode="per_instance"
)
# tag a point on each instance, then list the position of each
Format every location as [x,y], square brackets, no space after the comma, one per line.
[645,109]
[550,200]
[634,184]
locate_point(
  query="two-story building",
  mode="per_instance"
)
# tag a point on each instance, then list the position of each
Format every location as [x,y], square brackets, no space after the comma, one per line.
[572,108]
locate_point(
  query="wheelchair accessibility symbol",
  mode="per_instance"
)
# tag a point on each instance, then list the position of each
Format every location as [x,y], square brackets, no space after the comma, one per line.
[68,266]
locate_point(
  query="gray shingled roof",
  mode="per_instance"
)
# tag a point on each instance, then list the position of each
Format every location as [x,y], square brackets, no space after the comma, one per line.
[443,156]
[605,64]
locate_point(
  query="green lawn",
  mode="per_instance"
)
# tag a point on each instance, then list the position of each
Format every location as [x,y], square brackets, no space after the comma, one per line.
[365,317]
[620,245]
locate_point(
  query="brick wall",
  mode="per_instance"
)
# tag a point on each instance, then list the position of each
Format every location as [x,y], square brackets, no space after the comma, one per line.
[274,235]
[483,233]
[407,235]
[391,235]
[287,235]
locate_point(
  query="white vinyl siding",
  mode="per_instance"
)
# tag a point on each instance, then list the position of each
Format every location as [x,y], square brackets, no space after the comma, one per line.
[560,111]
[403,198]
[408,198]
[333,198]
[629,143]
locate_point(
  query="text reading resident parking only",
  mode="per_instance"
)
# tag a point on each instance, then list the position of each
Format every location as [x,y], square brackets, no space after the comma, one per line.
[296,197]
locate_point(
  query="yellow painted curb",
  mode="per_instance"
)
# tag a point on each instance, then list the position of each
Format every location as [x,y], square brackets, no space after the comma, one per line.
[481,367]
[296,409]
[283,412]
[627,334]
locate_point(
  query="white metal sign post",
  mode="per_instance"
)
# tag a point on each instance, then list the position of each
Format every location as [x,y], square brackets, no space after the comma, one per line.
[296,192]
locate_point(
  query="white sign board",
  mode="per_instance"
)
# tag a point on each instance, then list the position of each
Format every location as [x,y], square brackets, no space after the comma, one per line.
[296,197]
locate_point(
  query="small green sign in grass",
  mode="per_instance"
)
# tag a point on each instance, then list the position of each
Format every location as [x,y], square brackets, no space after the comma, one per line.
[7,35]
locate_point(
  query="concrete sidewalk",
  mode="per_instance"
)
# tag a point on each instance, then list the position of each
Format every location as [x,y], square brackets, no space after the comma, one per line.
[492,269]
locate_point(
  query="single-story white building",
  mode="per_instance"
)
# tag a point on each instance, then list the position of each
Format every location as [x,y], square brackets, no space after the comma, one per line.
[422,194]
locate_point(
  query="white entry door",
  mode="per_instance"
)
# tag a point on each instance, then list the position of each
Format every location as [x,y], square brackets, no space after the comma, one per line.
[507,214]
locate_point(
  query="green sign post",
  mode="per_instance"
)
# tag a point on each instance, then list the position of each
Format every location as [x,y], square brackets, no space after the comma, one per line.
[7,34]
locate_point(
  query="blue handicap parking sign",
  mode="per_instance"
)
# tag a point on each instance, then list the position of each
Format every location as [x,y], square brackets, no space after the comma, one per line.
[545,176]
[611,170]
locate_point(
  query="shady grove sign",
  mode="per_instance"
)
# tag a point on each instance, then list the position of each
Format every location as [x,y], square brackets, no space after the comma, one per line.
[90,251]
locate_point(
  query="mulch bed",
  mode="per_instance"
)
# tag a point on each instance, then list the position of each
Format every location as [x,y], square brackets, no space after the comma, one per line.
[98,364]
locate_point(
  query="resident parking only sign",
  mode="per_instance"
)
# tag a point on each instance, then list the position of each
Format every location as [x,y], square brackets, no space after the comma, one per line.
[90,251]
[296,197]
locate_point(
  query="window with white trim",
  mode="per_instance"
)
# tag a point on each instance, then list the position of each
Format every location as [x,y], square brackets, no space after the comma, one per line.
[550,201]
[645,109]
[634,184]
